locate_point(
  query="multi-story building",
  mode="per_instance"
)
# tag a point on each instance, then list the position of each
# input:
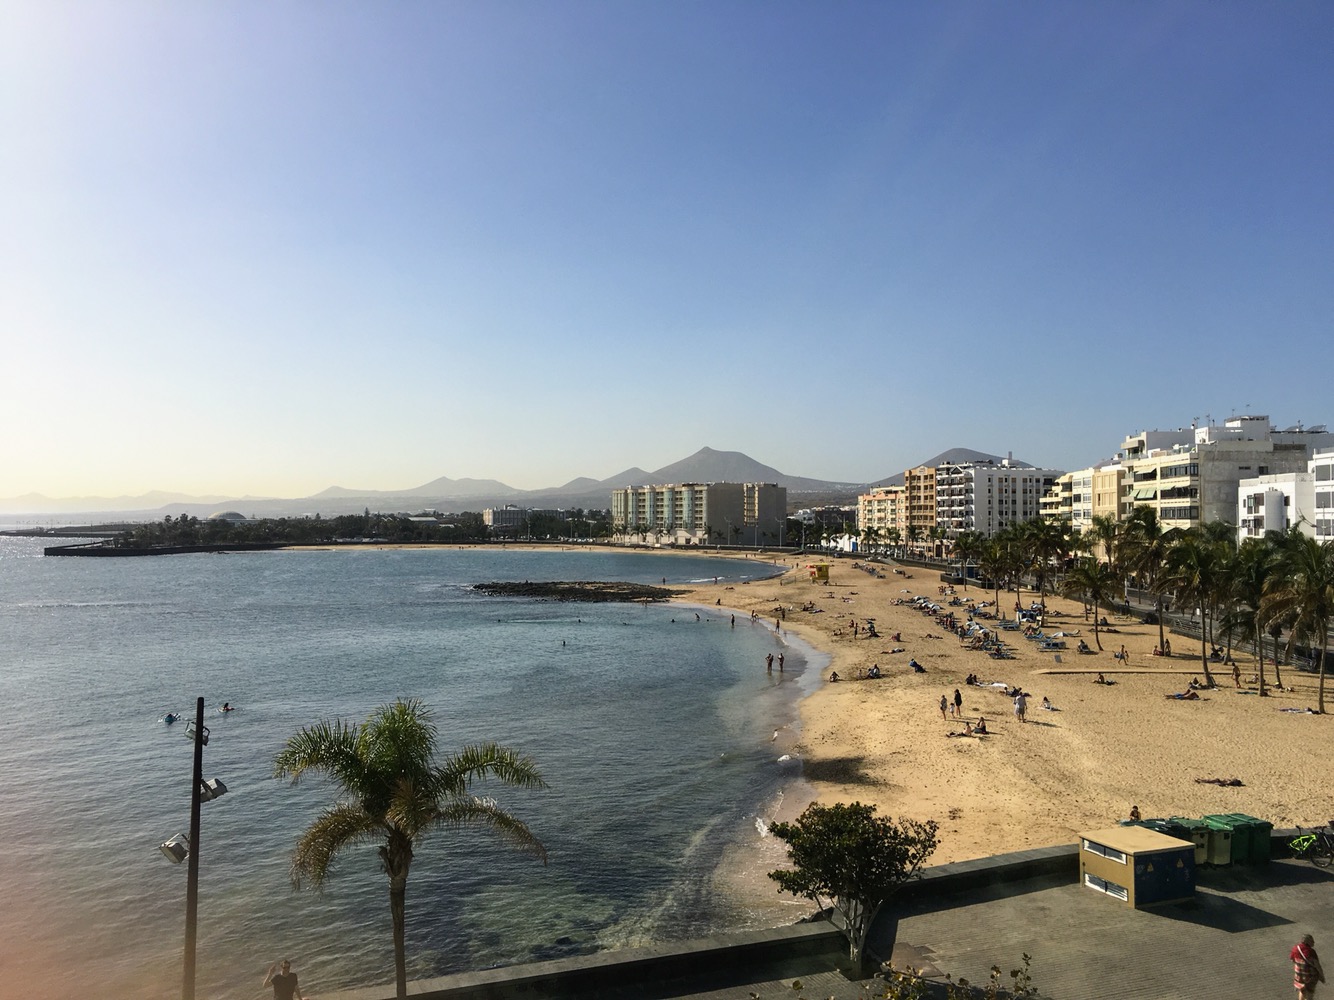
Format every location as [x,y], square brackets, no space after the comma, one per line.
[987,497]
[1304,500]
[699,513]
[1195,481]
[884,509]
[919,486]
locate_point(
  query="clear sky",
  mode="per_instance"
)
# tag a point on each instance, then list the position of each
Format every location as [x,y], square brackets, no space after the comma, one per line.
[266,248]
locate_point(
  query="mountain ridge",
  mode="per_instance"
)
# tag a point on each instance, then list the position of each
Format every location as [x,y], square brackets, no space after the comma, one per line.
[445,493]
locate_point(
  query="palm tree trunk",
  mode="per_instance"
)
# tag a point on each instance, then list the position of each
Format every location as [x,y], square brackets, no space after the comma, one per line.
[1324,652]
[1260,648]
[1204,647]
[397,906]
[1158,609]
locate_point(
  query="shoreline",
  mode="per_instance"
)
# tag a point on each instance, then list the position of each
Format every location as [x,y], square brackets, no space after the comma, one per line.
[1081,766]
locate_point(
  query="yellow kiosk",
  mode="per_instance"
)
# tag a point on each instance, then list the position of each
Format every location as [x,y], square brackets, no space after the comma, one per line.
[1136,865]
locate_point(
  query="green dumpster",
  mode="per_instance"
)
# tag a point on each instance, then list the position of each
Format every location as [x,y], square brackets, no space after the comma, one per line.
[1257,832]
[1194,830]
[1223,847]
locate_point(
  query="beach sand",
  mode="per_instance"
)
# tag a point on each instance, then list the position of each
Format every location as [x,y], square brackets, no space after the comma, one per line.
[1042,782]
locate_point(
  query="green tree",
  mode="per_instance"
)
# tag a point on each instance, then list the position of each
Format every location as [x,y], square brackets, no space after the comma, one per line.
[1304,592]
[1192,573]
[846,856]
[1146,545]
[1256,563]
[967,547]
[1094,583]
[395,790]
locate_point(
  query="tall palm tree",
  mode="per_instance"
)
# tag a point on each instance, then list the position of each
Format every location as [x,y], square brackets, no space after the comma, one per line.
[394,791]
[1256,563]
[967,546]
[991,563]
[1304,590]
[1094,582]
[1192,573]
[1147,543]
[1044,542]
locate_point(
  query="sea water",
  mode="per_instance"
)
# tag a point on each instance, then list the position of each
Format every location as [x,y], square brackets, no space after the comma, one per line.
[661,735]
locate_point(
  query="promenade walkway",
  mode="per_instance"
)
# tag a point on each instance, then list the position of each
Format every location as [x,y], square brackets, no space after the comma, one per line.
[1231,940]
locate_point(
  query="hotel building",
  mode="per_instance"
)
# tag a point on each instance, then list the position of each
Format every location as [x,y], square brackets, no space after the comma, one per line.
[700,513]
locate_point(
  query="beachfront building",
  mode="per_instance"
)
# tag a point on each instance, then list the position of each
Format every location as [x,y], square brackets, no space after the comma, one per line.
[1304,500]
[1078,497]
[919,486]
[699,513]
[987,497]
[883,512]
[1196,480]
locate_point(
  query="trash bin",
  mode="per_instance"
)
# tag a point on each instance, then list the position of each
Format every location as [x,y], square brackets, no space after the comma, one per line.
[1257,833]
[1222,845]
[1194,830]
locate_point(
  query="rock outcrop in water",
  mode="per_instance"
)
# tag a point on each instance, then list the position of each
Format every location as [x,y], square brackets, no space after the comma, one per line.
[580,590]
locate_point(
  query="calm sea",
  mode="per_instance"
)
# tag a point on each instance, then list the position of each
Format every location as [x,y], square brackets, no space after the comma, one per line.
[655,730]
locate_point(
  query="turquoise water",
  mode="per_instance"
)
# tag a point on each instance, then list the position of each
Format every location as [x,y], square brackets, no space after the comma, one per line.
[654,729]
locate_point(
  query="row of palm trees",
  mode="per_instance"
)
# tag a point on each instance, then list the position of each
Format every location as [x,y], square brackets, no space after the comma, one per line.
[1278,585]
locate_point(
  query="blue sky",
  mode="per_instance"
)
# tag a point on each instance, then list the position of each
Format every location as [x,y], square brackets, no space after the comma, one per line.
[255,248]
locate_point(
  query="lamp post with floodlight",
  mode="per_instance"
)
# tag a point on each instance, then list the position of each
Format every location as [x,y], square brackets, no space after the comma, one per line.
[180,848]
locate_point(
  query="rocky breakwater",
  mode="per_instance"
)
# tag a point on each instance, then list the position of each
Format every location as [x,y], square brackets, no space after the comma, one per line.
[581,590]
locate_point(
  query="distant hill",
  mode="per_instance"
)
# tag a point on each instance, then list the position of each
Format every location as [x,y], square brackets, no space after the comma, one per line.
[951,457]
[445,494]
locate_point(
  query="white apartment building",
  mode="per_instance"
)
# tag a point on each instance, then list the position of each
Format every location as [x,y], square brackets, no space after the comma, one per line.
[987,497]
[1279,502]
[1193,481]
[700,513]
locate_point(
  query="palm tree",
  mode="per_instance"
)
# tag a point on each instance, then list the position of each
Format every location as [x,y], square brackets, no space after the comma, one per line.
[968,546]
[394,791]
[1305,590]
[1146,544]
[892,538]
[1256,563]
[1043,542]
[1094,582]
[1192,573]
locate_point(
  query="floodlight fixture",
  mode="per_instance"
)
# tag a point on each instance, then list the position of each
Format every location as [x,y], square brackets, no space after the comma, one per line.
[190,732]
[177,849]
[211,789]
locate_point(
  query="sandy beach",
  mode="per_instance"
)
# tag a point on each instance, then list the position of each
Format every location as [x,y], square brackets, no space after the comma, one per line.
[1082,765]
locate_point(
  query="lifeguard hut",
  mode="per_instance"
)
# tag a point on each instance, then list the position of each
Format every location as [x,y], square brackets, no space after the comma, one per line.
[819,572]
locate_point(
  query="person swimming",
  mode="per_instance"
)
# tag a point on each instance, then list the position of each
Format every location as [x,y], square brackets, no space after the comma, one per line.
[170,717]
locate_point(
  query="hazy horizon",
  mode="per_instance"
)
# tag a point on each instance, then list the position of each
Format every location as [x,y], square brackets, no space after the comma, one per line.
[268,250]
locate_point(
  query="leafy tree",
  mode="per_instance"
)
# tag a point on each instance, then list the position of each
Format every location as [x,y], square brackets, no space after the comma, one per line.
[1093,582]
[1192,572]
[1147,543]
[1304,592]
[395,791]
[846,856]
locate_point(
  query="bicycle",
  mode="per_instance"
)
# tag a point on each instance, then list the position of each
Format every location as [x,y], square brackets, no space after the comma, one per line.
[1316,846]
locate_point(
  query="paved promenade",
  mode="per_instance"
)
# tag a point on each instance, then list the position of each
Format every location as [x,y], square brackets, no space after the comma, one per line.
[1230,941]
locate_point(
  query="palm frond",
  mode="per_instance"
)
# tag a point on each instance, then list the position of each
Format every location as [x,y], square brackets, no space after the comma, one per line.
[343,825]
[326,747]
[486,760]
[479,812]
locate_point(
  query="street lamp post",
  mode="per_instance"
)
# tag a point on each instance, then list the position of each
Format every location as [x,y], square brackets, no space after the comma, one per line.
[192,878]
[181,847]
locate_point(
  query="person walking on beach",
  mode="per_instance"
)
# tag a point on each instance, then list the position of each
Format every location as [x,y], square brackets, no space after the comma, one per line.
[284,983]
[944,707]
[1306,969]
[1021,706]
[958,704]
